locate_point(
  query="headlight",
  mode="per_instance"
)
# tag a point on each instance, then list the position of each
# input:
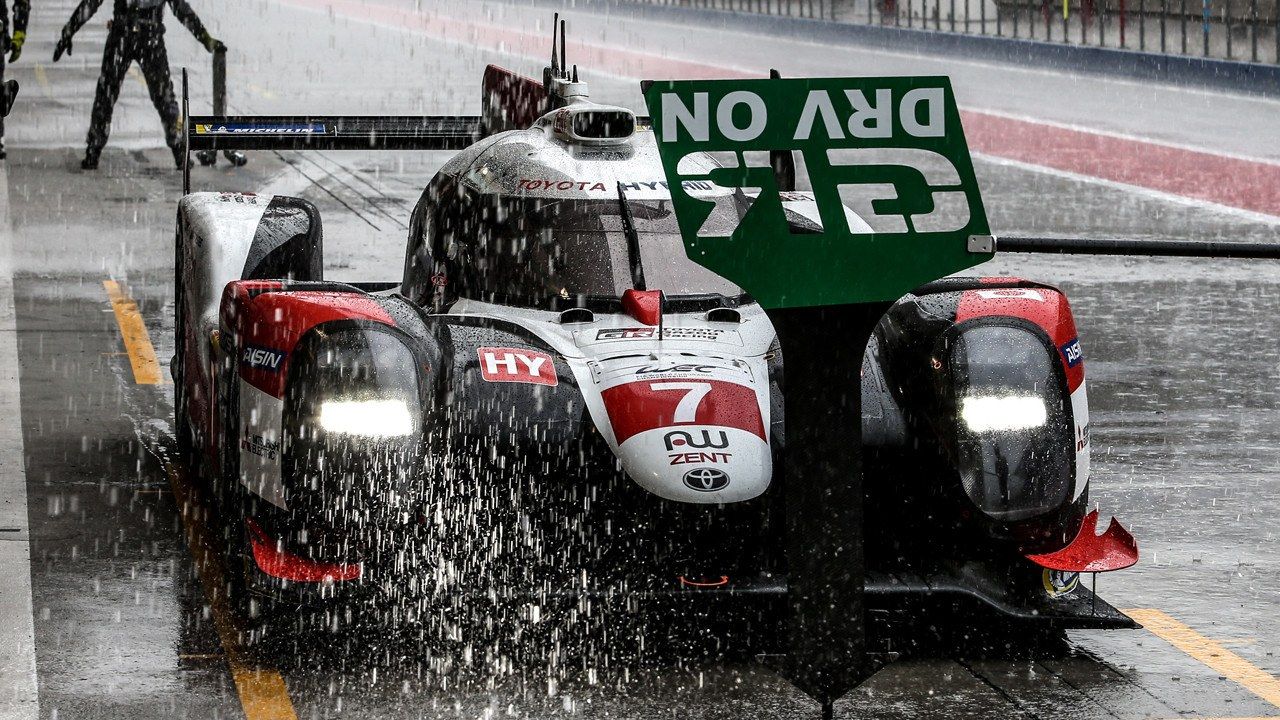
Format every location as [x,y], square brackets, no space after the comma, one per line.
[366,418]
[1013,433]
[1009,413]
[354,425]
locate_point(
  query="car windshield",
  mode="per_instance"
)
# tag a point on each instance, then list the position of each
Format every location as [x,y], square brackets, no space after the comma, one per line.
[547,251]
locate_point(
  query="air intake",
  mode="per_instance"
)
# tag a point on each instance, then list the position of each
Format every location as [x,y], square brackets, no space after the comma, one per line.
[604,124]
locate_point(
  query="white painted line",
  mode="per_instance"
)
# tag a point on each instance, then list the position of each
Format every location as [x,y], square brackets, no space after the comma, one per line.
[18,697]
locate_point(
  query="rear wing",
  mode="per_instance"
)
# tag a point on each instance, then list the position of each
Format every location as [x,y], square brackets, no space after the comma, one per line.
[328,132]
[333,132]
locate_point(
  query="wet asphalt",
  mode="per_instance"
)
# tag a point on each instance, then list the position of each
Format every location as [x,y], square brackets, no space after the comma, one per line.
[1181,355]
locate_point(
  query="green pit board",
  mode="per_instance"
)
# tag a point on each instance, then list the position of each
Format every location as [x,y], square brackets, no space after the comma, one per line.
[895,142]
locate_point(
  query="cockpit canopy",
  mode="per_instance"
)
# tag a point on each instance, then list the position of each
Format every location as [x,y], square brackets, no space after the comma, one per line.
[552,253]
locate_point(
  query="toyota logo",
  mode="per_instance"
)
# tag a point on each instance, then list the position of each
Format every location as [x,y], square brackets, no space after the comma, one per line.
[706,479]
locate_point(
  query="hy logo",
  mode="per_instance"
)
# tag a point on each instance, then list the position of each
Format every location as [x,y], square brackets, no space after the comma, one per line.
[890,149]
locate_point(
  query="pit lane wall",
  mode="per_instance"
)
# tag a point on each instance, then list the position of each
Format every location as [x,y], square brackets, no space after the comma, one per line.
[1161,40]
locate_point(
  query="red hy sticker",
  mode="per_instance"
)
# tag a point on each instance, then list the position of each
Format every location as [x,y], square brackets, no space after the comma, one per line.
[517,365]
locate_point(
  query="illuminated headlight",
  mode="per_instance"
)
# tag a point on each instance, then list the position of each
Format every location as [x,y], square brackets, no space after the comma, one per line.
[1010,412]
[366,418]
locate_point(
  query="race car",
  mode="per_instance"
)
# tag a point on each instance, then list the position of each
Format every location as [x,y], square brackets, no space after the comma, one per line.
[555,401]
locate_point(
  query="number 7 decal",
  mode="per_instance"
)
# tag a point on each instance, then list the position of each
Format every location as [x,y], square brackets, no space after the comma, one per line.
[687,408]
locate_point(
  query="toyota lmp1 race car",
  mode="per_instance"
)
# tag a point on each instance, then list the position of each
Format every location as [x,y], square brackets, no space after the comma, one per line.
[554,401]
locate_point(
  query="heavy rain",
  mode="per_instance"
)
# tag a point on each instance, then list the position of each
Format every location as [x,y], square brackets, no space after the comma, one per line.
[639,359]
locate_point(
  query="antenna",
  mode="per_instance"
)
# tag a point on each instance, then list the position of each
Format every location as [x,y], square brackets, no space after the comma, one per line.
[563,66]
[555,61]
[575,72]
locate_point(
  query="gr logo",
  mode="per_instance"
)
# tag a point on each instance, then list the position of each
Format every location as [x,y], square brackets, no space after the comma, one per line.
[889,189]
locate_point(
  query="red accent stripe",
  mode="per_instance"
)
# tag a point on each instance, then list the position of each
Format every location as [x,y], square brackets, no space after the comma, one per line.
[636,407]
[643,305]
[1114,549]
[1193,174]
[1052,313]
[277,321]
[279,563]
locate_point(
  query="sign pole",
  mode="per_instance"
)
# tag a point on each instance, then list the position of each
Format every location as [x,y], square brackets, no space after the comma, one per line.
[823,493]
[895,147]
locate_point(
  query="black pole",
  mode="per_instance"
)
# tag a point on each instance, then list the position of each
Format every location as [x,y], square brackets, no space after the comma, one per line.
[1205,26]
[1151,248]
[1226,23]
[783,161]
[1253,30]
[1164,13]
[1142,24]
[186,136]
[1183,15]
[823,496]
[1102,23]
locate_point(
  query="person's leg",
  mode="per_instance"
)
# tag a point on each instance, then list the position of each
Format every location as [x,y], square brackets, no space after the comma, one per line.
[155,68]
[115,63]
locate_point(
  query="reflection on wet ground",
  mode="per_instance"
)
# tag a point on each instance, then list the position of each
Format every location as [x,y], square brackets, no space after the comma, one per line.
[1184,392]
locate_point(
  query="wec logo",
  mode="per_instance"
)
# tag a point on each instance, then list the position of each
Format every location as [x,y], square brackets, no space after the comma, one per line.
[893,188]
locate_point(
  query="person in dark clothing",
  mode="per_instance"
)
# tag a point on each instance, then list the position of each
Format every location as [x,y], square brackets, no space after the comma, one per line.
[135,34]
[11,44]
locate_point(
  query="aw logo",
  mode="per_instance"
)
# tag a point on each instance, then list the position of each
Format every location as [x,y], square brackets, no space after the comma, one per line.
[886,158]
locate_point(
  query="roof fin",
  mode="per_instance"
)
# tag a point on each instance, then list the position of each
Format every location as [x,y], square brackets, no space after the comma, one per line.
[564,67]
[555,59]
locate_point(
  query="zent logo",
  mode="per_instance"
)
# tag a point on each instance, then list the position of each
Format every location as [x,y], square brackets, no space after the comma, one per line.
[706,479]
[695,458]
[1072,352]
[260,358]
[517,365]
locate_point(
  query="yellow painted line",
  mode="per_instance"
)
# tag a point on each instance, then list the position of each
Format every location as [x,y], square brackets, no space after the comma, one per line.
[261,91]
[43,78]
[262,691]
[1211,653]
[137,343]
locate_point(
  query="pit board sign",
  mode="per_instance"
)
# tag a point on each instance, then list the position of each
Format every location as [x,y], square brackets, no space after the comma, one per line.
[893,144]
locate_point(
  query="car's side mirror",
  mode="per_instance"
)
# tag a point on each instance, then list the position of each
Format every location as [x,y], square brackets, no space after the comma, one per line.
[8,93]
